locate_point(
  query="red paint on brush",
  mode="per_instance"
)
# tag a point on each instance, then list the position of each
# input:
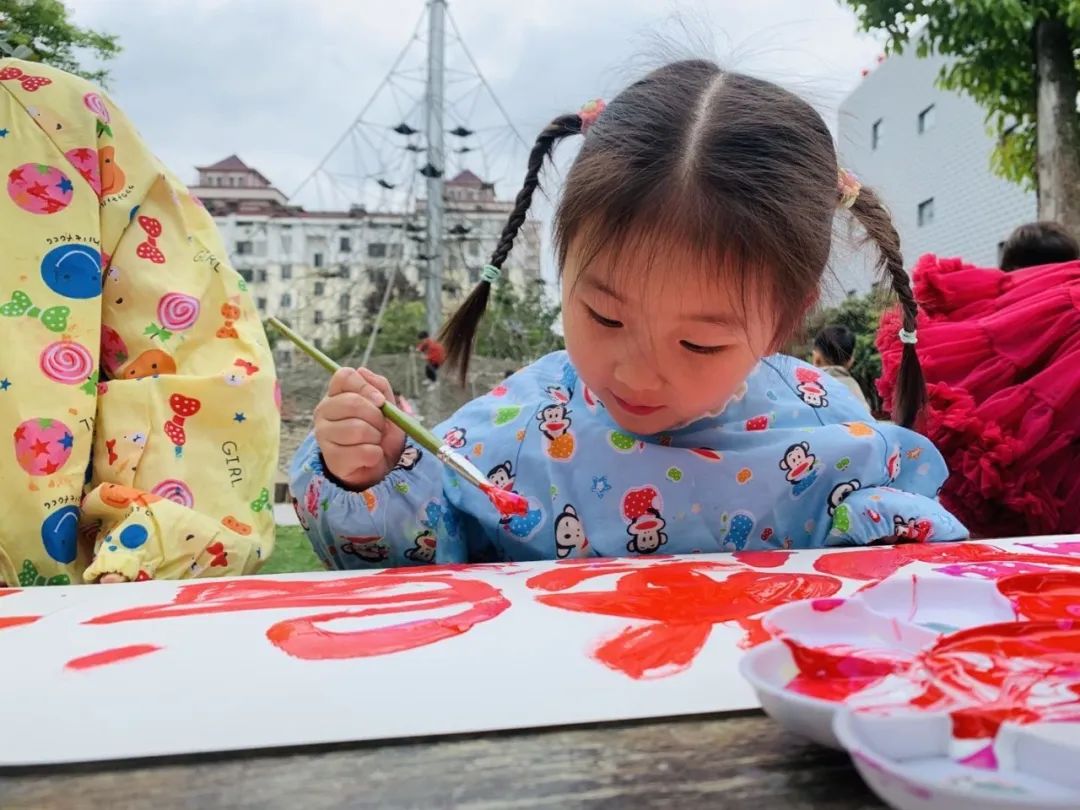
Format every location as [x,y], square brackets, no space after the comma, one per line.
[100,659]
[508,503]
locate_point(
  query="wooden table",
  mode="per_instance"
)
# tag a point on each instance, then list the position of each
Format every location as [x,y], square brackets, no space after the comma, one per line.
[738,761]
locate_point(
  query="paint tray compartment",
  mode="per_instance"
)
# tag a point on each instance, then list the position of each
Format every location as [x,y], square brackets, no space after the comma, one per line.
[948,691]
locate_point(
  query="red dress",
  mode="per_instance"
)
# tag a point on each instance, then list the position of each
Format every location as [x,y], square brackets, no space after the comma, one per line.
[1001,356]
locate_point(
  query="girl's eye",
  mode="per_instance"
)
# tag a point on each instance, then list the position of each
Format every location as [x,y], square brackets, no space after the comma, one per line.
[600,319]
[693,347]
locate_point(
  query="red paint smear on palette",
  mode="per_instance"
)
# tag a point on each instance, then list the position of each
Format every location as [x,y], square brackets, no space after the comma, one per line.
[1020,672]
[873,564]
[1044,597]
[105,657]
[354,598]
[838,671]
[680,603]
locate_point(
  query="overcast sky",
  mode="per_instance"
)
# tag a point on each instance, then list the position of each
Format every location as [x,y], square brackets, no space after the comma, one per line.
[278,81]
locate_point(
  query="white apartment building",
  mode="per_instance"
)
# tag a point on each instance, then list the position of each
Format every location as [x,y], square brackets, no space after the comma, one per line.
[927,152]
[313,269]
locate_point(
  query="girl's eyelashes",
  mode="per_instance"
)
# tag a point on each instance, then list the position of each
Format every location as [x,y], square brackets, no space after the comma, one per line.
[696,349]
[600,319]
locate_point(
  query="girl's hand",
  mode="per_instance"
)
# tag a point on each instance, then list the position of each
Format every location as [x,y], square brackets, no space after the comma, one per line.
[359,445]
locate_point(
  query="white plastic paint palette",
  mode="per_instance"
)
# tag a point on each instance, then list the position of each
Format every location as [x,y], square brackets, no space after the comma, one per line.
[948,692]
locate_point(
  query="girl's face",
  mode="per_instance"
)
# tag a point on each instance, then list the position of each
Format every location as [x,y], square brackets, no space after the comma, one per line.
[664,343]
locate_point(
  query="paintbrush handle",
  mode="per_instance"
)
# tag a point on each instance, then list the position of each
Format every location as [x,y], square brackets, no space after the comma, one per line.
[420,434]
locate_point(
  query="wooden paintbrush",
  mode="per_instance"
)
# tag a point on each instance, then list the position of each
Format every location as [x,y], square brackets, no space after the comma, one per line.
[508,503]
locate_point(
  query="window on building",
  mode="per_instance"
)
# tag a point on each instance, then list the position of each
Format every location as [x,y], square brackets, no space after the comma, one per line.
[244,248]
[344,244]
[286,301]
[474,249]
[926,119]
[877,132]
[286,272]
[318,316]
[261,276]
[318,343]
[247,275]
[926,212]
[343,331]
[317,260]
[320,288]
[261,304]
[286,244]
[376,250]
[395,251]
[344,302]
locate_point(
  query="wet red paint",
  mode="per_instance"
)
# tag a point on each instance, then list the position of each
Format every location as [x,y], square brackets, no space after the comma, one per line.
[508,503]
[1020,672]
[837,671]
[1044,597]
[105,657]
[872,564]
[763,559]
[355,597]
[16,621]
[679,602]
[825,605]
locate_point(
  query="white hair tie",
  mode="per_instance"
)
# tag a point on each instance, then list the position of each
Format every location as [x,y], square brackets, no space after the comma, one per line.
[910,338]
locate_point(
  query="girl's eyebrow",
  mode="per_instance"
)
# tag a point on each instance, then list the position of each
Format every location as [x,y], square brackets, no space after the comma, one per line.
[724,319]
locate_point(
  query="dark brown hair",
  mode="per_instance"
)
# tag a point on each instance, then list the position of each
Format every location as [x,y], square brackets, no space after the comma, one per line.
[1038,243]
[734,167]
[836,343]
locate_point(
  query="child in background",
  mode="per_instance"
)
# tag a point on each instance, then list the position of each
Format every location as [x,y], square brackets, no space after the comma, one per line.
[133,360]
[691,236]
[834,353]
[1038,243]
[434,354]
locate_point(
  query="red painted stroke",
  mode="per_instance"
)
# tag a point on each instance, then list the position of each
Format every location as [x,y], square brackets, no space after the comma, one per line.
[680,603]
[878,562]
[116,654]
[1045,596]
[355,597]
[763,558]
[16,621]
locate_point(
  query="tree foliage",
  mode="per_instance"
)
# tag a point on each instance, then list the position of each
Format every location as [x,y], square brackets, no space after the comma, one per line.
[46,28]
[992,58]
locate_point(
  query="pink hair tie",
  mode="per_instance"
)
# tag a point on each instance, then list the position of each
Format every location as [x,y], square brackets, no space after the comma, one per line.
[589,112]
[848,187]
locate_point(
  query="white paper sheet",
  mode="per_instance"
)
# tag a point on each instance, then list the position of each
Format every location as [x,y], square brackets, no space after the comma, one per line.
[502,649]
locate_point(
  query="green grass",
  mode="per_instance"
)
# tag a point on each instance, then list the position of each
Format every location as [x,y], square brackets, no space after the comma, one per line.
[292,552]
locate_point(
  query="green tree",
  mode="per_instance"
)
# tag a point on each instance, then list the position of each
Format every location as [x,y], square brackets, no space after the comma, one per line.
[519,326]
[1019,60]
[46,28]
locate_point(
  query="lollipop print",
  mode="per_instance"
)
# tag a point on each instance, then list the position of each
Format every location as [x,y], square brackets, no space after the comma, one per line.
[177,311]
[39,189]
[96,104]
[175,491]
[67,362]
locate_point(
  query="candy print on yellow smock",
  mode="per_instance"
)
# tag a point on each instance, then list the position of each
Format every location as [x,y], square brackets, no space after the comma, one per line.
[126,339]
